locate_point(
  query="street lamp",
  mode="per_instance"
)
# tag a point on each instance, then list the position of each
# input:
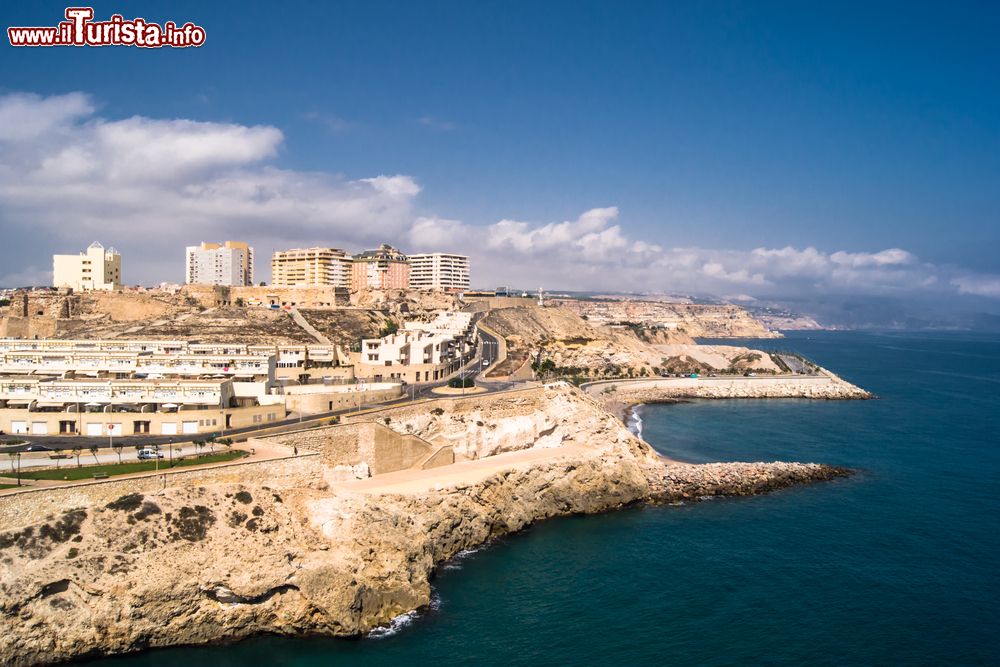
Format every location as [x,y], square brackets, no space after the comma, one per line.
[170,446]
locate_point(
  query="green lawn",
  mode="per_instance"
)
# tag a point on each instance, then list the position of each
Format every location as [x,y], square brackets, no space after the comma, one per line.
[71,472]
[8,486]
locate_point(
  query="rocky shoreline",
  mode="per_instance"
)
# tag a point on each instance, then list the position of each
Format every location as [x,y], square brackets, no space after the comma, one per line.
[219,562]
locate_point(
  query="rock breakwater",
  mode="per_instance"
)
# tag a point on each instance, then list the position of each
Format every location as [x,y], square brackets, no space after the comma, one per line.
[692,482]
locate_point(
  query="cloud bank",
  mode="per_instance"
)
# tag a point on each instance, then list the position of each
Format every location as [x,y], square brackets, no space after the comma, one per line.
[151,186]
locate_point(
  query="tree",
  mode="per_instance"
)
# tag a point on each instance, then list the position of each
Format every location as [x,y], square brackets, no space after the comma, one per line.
[93,451]
[76,450]
[57,455]
[118,447]
[12,455]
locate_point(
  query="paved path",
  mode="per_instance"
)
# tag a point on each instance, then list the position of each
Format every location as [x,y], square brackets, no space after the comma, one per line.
[308,328]
[456,474]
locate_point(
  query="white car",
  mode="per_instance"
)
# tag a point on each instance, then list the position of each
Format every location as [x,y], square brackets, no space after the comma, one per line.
[146,454]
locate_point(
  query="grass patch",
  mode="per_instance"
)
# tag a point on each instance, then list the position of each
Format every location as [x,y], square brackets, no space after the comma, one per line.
[8,486]
[87,472]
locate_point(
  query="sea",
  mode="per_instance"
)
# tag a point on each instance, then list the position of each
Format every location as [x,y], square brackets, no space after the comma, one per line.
[896,565]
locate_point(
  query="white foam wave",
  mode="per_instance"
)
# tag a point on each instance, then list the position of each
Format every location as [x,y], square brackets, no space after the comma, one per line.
[397,624]
[635,421]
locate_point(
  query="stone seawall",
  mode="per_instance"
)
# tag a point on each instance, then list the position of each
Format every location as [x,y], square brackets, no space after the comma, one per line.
[35,505]
[618,395]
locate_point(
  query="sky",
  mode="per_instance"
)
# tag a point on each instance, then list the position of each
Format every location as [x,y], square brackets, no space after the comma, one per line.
[738,149]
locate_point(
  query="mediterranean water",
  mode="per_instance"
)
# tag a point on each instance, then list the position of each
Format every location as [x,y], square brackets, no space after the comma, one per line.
[898,565]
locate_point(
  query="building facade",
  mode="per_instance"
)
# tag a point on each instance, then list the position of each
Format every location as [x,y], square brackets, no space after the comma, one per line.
[439,271]
[96,269]
[311,267]
[229,263]
[384,268]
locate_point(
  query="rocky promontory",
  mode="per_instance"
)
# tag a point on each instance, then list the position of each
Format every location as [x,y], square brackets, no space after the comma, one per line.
[305,554]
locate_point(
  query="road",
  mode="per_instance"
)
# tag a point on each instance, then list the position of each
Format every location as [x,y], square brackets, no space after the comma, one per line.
[486,356]
[35,460]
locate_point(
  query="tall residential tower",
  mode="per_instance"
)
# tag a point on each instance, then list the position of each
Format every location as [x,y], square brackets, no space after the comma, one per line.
[311,266]
[229,263]
[439,270]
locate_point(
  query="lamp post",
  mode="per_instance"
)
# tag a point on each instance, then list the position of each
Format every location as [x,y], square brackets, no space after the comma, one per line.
[111,414]
[170,447]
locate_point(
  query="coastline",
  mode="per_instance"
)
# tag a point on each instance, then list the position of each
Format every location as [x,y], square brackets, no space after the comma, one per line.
[313,552]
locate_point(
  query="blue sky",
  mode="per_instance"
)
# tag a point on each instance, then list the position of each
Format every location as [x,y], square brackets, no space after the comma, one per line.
[848,128]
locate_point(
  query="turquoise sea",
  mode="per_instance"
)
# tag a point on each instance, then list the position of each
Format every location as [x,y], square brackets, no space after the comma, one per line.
[898,565]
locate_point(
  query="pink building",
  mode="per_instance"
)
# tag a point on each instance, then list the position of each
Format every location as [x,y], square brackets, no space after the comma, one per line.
[385,268]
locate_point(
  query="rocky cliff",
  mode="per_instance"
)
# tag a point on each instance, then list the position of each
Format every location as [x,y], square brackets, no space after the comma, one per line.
[192,564]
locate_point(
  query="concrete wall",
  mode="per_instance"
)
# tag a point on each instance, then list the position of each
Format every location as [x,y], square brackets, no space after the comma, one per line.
[27,507]
[444,456]
[378,446]
[323,399]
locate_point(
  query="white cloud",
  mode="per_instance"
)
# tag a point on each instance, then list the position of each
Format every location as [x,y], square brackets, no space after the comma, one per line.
[985,285]
[24,117]
[151,186]
[427,234]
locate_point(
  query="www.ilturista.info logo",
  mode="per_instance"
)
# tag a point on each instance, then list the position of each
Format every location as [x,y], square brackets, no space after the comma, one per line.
[79,29]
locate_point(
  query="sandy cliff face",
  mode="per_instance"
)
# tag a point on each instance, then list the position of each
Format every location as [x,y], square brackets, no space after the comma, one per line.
[576,346]
[200,564]
[695,320]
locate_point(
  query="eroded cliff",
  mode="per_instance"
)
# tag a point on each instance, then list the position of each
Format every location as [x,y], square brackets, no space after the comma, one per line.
[192,564]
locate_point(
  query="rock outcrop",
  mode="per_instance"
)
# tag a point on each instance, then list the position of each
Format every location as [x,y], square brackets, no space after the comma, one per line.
[222,561]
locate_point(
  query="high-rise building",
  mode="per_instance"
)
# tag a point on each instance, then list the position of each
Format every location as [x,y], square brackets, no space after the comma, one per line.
[311,266]
[384,268]
[96,269]
[439,270]
[229,263]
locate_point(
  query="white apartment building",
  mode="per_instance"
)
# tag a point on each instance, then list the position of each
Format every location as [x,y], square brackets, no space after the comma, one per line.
[96,269]
[440,271]
[310,267]
[229,263]
[412,356]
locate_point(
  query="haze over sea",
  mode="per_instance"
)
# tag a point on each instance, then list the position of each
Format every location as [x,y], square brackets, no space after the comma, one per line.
[899,564]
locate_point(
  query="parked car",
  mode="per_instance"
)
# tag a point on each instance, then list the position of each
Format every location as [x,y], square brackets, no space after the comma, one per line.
[146,454]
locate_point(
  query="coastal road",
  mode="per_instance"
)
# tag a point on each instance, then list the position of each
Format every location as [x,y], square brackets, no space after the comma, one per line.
[31,460]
